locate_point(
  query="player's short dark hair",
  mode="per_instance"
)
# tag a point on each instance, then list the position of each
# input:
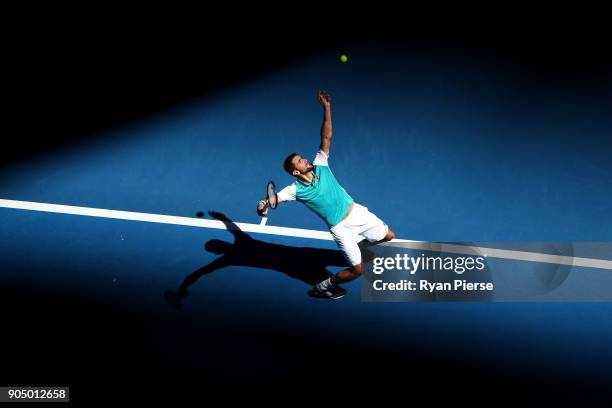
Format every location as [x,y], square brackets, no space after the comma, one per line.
[288,164]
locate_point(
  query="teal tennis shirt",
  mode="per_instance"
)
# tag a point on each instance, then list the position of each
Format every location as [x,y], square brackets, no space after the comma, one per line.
[324,196]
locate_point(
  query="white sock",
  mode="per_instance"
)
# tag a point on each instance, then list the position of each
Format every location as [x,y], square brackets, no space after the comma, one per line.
[326,284]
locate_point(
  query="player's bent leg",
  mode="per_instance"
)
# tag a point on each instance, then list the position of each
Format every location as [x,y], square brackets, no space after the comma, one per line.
[329,288]
[347,275]
[347,240]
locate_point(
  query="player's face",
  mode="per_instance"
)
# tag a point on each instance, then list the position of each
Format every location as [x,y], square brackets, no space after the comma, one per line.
[302,165]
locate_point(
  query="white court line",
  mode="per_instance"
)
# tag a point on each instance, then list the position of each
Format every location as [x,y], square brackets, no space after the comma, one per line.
[163,219]
[300,233]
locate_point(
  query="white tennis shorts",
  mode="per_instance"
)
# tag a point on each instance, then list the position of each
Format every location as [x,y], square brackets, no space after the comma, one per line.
[359,225]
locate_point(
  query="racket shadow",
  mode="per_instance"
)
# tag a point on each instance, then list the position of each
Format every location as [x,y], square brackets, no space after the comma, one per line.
[308,265]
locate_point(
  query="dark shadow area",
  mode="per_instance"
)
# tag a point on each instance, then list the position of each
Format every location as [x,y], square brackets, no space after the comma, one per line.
[62,339]
[106,350]
[308,265]
[66,79]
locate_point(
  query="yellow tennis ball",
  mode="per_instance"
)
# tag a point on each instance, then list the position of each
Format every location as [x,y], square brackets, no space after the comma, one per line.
[343,58]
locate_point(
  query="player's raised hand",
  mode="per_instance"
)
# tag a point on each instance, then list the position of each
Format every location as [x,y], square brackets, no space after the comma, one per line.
[324,99]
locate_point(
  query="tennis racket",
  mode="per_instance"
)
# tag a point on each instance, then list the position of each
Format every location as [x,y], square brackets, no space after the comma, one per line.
[271,199]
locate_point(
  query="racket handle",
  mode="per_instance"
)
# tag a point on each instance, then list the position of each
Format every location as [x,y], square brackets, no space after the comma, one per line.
[266,206]
[266,210]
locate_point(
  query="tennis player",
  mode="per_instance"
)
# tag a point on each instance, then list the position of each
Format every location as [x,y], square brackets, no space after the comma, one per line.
[348,222]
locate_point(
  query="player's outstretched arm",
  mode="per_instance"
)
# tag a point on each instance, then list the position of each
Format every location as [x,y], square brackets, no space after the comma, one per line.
[326,126]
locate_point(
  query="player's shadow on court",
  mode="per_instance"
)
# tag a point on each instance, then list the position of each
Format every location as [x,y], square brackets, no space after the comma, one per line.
[308,265]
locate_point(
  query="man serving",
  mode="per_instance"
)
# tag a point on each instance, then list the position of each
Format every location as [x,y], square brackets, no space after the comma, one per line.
[348,222]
